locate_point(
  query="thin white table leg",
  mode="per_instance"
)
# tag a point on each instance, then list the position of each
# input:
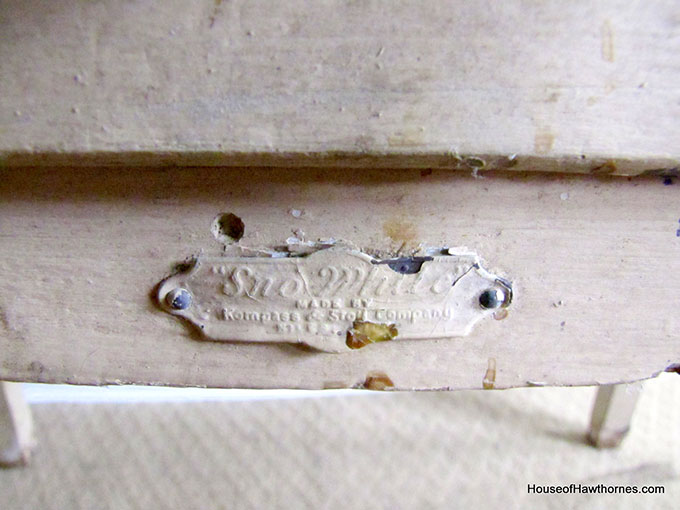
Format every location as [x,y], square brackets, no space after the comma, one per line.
[612,412]
[16,426]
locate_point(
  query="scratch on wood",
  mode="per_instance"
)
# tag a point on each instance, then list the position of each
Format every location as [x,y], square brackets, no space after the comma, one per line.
[607,42]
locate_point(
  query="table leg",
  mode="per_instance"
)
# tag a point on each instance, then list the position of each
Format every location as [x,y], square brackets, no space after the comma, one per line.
[16,426]
[612,412]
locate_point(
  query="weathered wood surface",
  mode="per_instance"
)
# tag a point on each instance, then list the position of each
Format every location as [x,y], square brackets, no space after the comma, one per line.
[551,86]
[595,264]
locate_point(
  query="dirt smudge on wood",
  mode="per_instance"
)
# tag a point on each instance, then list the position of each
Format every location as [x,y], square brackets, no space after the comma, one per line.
[544,140]
[400,230]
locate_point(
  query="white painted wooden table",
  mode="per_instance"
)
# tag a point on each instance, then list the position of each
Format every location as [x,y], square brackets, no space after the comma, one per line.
[126,129]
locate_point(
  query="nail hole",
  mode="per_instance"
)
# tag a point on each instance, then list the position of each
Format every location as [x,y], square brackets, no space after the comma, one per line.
[228,228]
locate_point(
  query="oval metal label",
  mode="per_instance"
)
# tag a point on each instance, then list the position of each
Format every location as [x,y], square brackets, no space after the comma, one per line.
[334,299]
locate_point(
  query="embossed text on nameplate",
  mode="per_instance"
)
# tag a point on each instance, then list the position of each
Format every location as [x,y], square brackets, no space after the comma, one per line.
[335,299]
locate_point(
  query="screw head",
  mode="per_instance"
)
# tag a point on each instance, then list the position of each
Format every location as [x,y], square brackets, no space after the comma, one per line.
[179,299]
[491,299]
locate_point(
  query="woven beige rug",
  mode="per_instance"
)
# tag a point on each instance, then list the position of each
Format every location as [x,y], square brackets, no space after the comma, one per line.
[471,449]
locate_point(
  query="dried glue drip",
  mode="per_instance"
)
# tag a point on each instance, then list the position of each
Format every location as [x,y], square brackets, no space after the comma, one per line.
[364,333]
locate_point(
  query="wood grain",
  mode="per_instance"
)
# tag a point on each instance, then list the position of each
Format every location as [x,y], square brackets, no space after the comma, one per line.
[581,86]
[595,264]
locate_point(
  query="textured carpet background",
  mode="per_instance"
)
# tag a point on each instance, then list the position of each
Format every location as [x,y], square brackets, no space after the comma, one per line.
[471,449]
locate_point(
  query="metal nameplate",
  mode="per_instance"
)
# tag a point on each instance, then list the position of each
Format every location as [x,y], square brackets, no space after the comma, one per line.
[335,299]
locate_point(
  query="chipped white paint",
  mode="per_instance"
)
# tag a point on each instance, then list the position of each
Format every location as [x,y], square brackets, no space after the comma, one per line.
[83,250]
[548,86]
